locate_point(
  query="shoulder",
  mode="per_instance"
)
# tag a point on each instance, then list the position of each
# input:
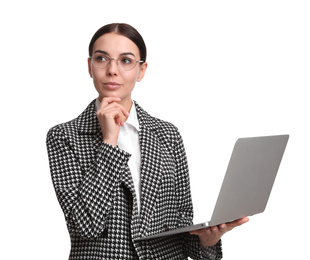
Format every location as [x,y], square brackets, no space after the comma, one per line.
[162,128]
[61,130]
[86,121]
[167,127]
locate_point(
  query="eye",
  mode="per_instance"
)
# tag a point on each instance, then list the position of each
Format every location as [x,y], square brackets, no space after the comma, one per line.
[126,60]
[101,58]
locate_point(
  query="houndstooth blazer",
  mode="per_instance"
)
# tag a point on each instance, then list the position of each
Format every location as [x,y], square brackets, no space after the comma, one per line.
[95,190]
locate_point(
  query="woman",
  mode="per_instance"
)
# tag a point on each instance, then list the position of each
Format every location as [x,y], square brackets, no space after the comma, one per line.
[121,174]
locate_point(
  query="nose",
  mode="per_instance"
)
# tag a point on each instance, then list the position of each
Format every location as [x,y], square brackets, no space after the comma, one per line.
[112,68]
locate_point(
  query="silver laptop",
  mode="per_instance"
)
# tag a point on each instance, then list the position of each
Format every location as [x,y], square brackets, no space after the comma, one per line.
[246,187]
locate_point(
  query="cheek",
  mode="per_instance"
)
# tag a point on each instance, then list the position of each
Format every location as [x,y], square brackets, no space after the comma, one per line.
[130,77]
[97,75]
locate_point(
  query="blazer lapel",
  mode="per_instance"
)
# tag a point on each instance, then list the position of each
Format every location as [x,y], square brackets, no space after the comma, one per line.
[87,122]
[151,158]
[90,135]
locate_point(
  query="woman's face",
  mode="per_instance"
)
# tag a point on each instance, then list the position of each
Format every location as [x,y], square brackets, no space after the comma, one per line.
[111,81]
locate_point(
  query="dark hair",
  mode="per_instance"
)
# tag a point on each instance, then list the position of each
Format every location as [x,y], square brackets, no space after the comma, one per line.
[121,29]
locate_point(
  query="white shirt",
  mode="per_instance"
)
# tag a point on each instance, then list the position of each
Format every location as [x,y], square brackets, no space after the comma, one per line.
[128,140]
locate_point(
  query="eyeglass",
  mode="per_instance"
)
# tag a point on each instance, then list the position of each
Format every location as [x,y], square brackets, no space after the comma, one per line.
[124,62]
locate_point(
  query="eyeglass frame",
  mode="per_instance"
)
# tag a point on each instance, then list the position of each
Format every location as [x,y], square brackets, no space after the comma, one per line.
[116,60]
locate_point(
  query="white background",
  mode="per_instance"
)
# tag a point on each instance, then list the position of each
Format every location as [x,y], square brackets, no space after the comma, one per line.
[218,70]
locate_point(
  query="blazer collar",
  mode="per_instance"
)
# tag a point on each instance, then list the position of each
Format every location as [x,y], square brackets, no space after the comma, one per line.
[87,122]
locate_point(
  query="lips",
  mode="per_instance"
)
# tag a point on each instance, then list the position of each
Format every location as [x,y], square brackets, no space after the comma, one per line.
[112,85]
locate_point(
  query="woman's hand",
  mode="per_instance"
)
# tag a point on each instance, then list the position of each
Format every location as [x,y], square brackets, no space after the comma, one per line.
[211,235]
[111,115]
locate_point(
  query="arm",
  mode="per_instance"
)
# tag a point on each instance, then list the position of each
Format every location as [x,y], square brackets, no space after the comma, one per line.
[85,197]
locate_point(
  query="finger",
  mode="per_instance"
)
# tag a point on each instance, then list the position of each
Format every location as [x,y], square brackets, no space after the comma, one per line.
[237,223]
[117,119]
[107,100]
[223,228]
[122,122]
[200,231]
[110,113]
[120,119]
[112,106]
[116,114]
[121,116]
[207,230]
[240,221]
[214,228]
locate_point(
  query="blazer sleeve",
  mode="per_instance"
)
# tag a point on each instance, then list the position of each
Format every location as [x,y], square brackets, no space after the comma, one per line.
[85,197]
[191,242]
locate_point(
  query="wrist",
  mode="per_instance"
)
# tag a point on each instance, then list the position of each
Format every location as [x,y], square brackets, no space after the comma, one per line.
[112,142]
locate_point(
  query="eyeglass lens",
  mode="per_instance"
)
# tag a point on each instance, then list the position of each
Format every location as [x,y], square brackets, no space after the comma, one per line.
[124,62]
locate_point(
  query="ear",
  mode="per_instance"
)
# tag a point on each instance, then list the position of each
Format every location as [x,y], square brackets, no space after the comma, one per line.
[89,67]
[142,71]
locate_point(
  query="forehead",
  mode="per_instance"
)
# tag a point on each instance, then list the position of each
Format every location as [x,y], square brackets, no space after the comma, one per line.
[115,44]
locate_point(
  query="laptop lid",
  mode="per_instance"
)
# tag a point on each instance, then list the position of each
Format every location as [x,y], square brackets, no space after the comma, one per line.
[249,177]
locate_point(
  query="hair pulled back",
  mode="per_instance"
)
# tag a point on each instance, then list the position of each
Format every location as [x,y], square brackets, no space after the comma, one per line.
[122,29]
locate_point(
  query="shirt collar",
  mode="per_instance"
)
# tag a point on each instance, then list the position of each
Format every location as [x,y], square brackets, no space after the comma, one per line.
[132,119]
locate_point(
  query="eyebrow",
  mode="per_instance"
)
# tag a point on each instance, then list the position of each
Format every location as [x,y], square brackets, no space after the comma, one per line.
[122,54]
